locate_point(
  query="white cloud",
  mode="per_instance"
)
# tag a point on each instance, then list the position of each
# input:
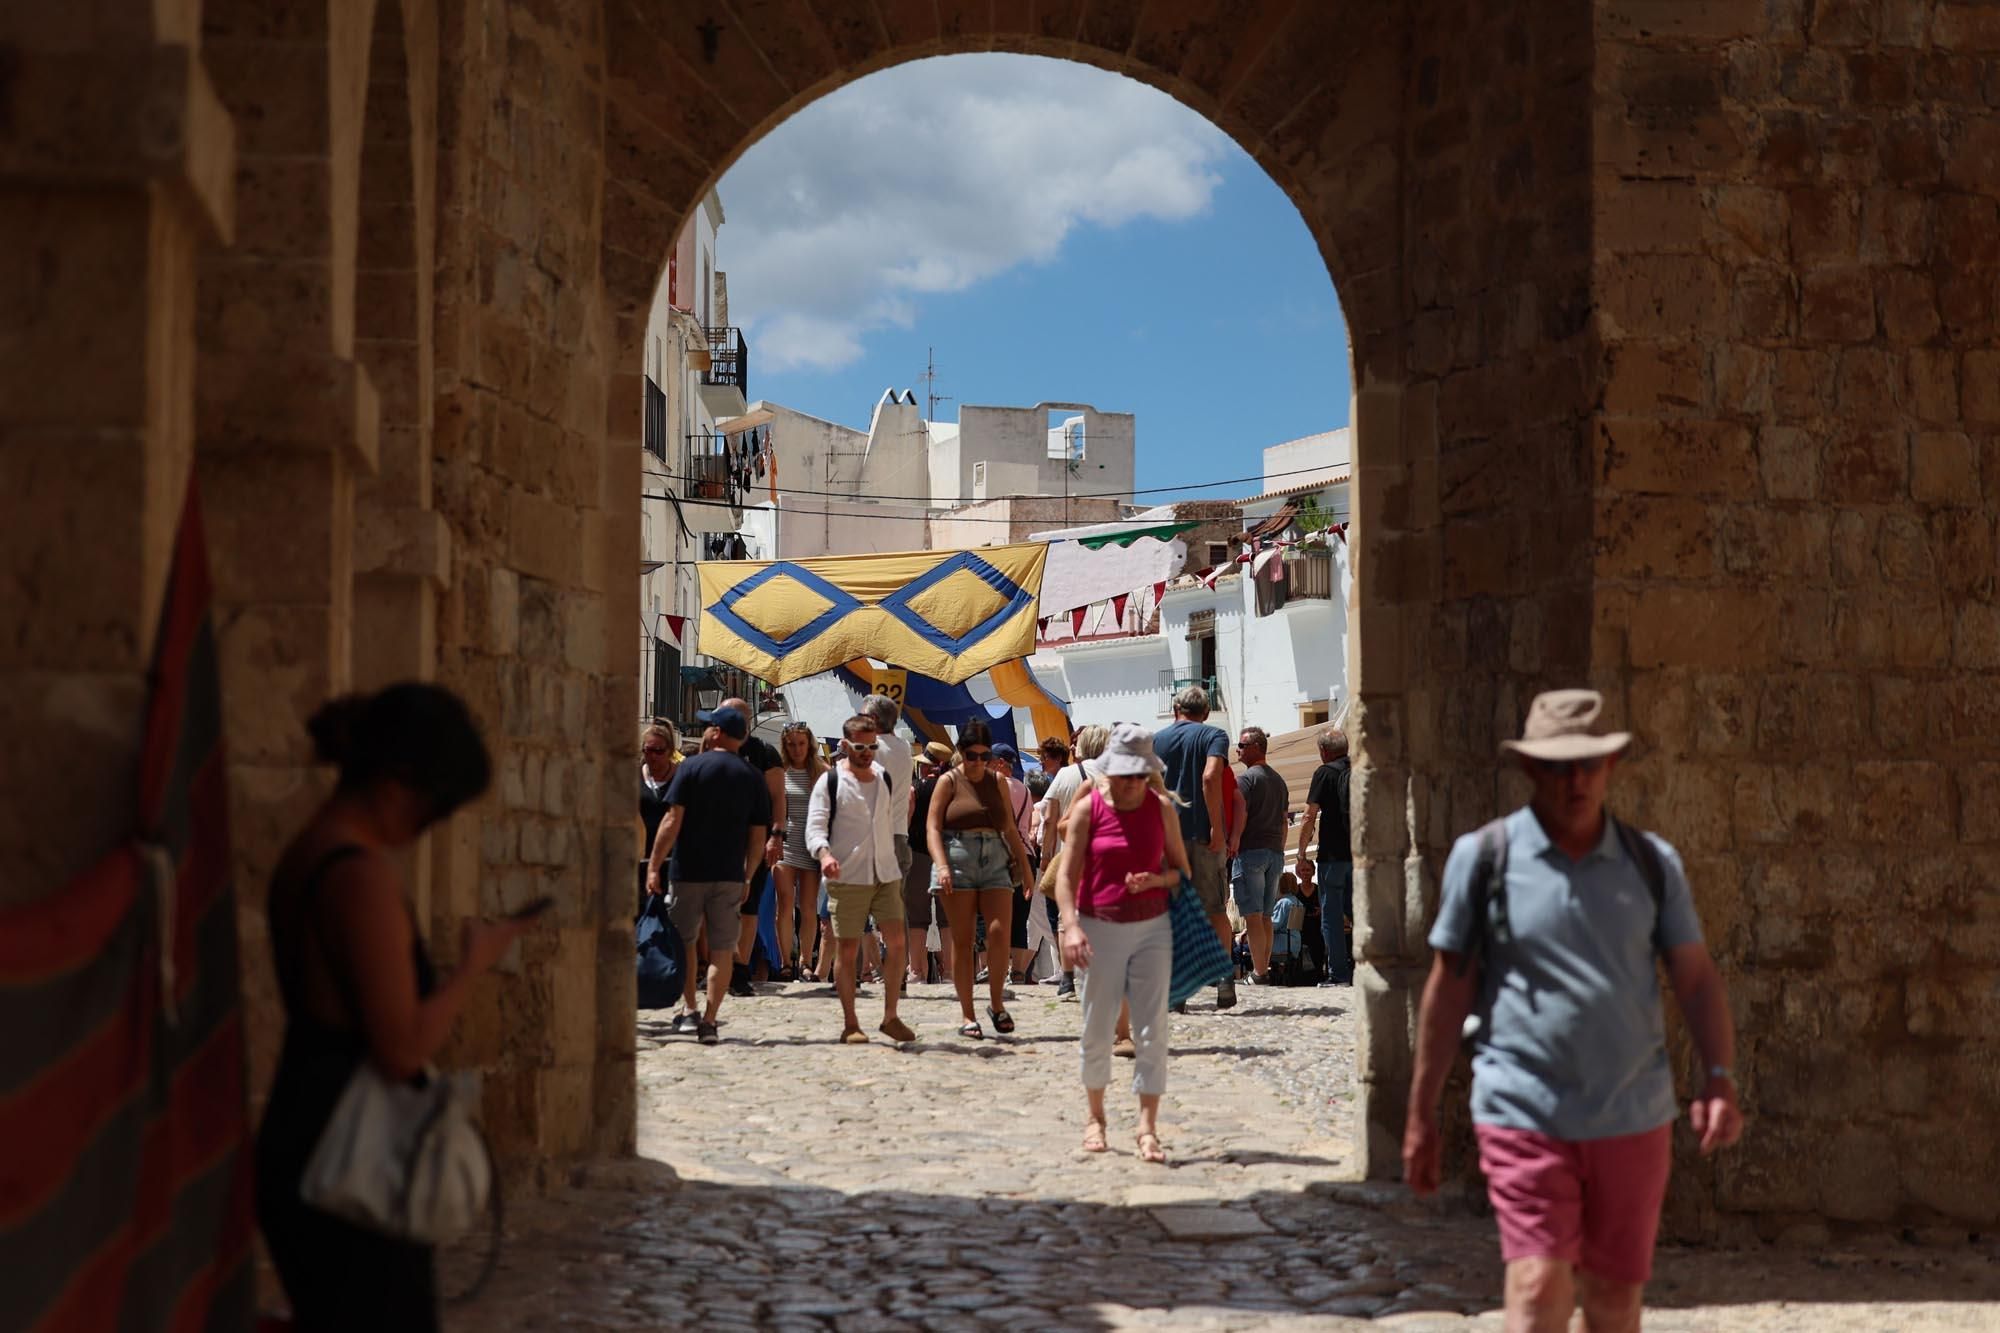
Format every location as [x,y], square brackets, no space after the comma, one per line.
[934,176]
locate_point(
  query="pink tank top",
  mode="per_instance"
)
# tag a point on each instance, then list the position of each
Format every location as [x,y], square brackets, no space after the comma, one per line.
[1122,841]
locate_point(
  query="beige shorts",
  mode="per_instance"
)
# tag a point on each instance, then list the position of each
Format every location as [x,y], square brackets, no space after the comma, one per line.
[714,903]
[1211,878]
[853,904]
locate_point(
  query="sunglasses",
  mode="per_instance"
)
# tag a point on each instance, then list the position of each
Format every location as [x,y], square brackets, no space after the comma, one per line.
[652,749]
[976,756]
[870,747]
[1562,768]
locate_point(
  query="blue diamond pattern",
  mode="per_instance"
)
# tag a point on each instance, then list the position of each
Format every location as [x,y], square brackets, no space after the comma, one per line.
[898,603]
[842,604]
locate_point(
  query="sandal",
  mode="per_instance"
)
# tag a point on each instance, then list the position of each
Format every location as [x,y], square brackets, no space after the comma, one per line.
[1003,1022]
[853,1037]
[971,1030]
[1124,1049]
[1093,1137]
[1155,1154]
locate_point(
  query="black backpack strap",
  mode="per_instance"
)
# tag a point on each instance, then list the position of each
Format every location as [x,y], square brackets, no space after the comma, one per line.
[1639,848]
[1489,882]
[832,784]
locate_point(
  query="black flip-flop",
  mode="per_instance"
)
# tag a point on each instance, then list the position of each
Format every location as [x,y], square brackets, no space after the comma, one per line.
[1003,1022]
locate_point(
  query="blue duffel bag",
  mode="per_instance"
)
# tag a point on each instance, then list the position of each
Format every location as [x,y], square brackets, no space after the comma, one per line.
[662,958]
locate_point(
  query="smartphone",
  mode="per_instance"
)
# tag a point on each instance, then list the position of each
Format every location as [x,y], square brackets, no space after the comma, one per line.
[533,909]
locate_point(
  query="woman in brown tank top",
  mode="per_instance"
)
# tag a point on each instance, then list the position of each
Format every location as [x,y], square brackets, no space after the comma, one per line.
[977,861]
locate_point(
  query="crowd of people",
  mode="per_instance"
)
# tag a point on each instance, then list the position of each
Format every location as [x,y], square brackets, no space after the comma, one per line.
[1552,923]
[978,840]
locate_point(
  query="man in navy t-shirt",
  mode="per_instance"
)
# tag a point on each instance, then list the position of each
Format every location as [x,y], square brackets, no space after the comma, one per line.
[1197,760]
[726,803]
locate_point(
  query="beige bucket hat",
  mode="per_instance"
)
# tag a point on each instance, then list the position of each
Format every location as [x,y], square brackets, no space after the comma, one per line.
[1560,726]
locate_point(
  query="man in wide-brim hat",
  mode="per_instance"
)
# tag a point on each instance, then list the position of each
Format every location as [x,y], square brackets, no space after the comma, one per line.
[1549,922]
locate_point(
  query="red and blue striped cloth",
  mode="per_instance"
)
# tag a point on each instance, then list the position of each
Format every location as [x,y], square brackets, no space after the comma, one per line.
[125,1150]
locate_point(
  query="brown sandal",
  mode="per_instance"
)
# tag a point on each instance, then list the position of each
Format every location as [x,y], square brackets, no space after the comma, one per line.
[1093,1137]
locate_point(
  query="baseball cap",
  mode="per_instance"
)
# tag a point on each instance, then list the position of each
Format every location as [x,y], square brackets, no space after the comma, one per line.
[730,721]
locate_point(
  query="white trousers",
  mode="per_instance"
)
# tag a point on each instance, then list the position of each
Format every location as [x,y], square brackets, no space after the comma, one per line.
[1129,960]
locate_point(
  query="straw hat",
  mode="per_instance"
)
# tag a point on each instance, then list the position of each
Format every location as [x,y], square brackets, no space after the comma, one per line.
[1561,725]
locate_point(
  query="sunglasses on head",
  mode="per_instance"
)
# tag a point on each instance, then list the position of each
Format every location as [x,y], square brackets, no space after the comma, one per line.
[976,756]
[1562,768]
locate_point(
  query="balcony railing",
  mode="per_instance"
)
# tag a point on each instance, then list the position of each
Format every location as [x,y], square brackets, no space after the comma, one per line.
[1171,685]
[1308,576]
[706,468]
[728,360]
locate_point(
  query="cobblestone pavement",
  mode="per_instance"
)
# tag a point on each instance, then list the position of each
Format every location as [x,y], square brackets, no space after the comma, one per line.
[788,1182]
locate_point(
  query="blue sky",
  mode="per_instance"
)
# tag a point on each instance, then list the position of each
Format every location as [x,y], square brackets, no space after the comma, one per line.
[1055,232]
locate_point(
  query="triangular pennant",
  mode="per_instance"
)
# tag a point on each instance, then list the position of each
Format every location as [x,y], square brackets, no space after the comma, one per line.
[1159,592]
[1076,621]
[1118,608]
[1042,628]
[1209,576]
[674,626]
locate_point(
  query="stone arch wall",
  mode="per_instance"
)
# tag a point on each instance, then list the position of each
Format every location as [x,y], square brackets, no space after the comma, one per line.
[1674,347]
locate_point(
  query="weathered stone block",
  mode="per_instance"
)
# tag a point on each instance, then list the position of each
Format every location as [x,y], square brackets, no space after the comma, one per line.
[1717,627]
[1944,468]
[1904,801]
[1837,304]
[1677,457]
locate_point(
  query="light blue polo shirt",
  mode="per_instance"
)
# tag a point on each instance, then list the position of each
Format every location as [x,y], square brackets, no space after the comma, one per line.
[1575,1044]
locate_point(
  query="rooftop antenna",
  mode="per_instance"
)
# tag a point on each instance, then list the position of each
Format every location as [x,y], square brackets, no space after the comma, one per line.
[929,378]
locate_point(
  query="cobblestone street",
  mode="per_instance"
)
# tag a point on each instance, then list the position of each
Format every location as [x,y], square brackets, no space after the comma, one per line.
[785,1181]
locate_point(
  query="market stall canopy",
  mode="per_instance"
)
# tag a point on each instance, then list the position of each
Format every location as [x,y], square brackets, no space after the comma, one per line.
[1099,561]
[947,614]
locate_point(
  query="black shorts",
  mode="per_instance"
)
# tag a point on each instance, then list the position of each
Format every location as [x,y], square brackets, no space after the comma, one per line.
[758,883]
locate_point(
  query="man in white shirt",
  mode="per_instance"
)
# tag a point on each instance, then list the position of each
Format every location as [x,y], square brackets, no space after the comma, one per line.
[897,759]
[851,822]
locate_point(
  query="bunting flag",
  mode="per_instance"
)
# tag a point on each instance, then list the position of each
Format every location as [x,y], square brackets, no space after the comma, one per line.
[1209,576]
[1118,605]
[1159,592]
[1076,621]
[947,614]
[674,626]
[125,1179]
[1042,628]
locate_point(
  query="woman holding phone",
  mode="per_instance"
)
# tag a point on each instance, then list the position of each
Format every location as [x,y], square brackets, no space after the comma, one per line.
[977,857]
[1121,855]
[358,985]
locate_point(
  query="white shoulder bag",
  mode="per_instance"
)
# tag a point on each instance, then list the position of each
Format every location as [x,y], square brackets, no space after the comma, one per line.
[403,1158]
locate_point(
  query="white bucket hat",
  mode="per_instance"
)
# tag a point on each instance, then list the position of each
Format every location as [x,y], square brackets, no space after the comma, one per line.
[1129,753]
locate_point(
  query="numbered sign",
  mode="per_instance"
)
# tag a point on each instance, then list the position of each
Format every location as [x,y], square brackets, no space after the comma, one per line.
[892,683]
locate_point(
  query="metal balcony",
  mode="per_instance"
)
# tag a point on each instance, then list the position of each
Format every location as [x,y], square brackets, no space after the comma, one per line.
[728,361]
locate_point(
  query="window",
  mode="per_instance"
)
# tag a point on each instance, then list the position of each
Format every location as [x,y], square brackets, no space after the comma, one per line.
[1218,553]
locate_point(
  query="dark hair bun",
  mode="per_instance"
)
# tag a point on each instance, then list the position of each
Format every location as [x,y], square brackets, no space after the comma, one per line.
[415,733]
[333,728]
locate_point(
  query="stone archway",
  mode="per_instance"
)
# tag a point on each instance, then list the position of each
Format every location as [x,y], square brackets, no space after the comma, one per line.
[1302,89]
[1675,342]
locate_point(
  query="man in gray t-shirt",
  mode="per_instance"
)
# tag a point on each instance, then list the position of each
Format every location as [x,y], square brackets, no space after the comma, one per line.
[1548,927]
[1260,855]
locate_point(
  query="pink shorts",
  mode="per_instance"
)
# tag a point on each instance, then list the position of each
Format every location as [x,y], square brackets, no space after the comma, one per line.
[1594,1203]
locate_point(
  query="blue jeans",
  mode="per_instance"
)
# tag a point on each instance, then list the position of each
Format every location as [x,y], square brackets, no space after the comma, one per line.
[1336,892]
[1255,881]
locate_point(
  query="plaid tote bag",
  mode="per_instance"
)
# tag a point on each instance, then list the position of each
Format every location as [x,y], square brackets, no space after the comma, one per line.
[1199,958]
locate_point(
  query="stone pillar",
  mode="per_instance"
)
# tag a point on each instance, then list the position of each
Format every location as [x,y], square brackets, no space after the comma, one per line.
[116,163]
[286,420]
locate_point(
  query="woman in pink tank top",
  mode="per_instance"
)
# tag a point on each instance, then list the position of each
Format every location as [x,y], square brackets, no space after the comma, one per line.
[1122,854]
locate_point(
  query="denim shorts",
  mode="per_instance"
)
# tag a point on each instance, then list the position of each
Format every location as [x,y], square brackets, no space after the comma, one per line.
[1254,884]
[978,860]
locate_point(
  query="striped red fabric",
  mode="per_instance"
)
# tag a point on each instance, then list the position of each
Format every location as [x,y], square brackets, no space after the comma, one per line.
[125,1153]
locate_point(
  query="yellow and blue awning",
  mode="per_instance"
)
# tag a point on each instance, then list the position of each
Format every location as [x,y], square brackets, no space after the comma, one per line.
[947,614]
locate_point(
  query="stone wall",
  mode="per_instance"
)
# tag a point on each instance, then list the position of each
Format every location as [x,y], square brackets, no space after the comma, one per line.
[1794,473]
[1673,340]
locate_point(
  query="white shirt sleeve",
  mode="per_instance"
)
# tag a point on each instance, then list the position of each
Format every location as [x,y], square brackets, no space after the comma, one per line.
[818,816]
